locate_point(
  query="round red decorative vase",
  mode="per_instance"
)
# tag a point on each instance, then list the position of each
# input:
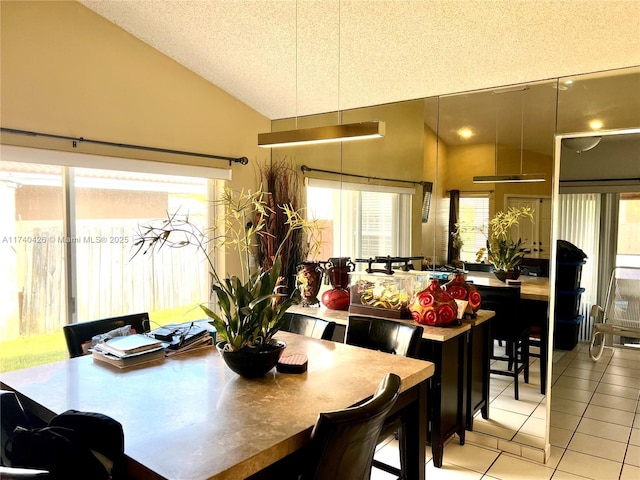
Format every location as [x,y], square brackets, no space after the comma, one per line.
[434,307]
[338,272]
[459,289]
[336,299]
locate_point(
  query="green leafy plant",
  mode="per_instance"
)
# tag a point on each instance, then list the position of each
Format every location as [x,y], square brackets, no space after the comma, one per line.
[503,252]
[251,306]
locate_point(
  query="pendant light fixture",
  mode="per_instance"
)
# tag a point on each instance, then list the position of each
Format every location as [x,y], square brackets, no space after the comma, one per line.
[511,177]
[326,134]
[330,133]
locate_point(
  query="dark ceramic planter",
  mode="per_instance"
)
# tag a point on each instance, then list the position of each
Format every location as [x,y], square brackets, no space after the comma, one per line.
[251,362]
[504,276]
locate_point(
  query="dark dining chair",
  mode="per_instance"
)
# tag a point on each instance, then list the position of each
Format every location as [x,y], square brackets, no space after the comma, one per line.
[511,327]
[385,335]
[343,442]
[309,326]
[77,334]
[390,337]
[13,416]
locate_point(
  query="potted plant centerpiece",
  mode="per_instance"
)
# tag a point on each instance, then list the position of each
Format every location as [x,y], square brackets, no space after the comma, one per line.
[250,307]
[503,252]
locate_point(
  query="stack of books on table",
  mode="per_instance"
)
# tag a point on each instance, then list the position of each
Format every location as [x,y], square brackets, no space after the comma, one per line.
[182,337]
[129,350]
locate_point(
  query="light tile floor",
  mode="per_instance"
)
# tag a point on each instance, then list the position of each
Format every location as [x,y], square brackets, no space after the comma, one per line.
[595,425]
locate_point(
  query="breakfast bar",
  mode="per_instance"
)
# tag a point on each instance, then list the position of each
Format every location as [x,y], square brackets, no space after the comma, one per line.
[461,358]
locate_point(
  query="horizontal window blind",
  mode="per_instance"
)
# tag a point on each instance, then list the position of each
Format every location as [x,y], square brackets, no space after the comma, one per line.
[15,153]
[474,215]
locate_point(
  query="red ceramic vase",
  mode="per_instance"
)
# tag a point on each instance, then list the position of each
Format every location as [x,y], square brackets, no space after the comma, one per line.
[336,299]
[434,307]
[459,289]
[338,272]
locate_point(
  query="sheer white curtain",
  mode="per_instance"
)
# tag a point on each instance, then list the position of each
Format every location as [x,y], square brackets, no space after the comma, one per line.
[580,225]
[608,234]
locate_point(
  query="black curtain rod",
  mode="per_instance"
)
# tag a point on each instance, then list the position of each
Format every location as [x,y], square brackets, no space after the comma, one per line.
[240,160]
[306,169]
[628,179]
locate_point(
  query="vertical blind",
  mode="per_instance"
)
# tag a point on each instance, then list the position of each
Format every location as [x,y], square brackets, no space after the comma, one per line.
[580,225]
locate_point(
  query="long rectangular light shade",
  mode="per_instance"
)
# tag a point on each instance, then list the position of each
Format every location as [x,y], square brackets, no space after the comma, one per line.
[330,133]
[511,178]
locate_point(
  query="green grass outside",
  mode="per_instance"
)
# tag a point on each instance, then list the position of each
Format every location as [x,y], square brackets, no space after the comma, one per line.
[40,349]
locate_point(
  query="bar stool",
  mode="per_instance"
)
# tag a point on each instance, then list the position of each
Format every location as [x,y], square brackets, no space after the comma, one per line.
[510,327]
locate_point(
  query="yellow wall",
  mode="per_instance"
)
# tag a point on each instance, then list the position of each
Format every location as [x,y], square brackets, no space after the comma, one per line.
[465,162]
[68,71]
[430,172]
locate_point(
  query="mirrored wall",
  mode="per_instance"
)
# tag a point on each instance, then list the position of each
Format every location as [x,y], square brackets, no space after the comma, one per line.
[447,141]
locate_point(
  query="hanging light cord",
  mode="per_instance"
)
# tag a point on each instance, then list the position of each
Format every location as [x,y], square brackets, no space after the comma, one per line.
[521,129]
[495,160]
[296,68]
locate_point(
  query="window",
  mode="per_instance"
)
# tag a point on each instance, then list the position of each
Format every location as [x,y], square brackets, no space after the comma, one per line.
[360,222]
[474,216]
[629,230]
[76,263]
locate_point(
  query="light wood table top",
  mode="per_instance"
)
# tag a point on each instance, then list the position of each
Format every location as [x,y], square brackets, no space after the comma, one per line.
[190,417]
[531,288]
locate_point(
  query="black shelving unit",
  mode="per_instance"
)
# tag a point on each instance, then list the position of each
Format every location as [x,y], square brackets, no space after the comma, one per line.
[569,262]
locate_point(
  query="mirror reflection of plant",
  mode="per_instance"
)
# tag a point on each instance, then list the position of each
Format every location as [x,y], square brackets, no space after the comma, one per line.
[504,253]
[461,230]
[251,305]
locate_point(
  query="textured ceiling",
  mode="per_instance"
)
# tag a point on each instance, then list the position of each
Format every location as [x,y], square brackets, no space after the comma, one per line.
[286,58]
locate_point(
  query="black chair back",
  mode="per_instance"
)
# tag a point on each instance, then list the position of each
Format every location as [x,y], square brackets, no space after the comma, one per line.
[12,415]
[78,333]
[343,442]
[385,335]
[309,326]
[505,301]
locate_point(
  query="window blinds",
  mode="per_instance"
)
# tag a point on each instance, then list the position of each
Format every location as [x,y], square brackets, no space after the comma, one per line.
[12,153]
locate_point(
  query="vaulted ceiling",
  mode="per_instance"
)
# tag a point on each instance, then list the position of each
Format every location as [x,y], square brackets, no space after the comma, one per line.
[288,58]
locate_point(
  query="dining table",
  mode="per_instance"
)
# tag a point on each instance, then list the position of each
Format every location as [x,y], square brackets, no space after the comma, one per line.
[189,416]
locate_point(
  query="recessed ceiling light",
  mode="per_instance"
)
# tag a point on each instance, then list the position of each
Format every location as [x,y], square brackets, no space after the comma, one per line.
[568,82]
[465,133]
[595,124]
